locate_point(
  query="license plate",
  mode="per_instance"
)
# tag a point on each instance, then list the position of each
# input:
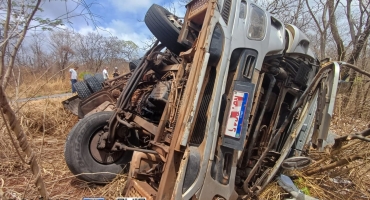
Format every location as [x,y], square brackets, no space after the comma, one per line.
[236,114]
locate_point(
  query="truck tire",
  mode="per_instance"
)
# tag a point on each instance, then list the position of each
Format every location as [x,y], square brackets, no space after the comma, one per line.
[80,145]
[99,77]
[134,64]
[86,76]
[82,89]
[156,19]
[93,84]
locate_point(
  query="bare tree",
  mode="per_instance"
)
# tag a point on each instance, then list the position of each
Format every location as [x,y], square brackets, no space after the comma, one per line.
[322,24]
[38,58]
[61,43]
[15,26]
[92,50]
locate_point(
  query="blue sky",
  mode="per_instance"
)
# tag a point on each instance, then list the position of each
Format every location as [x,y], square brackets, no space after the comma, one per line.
[121,18]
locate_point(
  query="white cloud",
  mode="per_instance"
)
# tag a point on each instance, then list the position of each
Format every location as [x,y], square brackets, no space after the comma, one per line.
[120,29]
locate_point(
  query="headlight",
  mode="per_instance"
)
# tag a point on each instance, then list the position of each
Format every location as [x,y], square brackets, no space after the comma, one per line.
[257,23]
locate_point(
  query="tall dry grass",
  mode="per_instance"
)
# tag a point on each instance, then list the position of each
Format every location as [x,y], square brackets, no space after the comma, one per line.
[35,84]
[46,124]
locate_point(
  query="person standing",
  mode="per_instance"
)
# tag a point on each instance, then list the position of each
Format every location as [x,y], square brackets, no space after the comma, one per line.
[73,73]
[115,73]
[105,73]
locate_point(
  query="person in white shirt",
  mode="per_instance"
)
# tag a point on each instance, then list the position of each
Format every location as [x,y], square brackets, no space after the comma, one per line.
[105,73]
[73,73]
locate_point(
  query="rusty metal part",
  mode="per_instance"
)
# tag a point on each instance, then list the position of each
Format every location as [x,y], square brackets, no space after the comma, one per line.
[161,149]
[72,104]
[106,106]
[174,67]
[94,101]
[172,102]
[116,93]
[168,179]
[103,156]
[308,92]
[124,122]
[131,86]
[197,7]
[145,124]
[108,84]
[142,163]
[122,147]
[138,188]
[266,100]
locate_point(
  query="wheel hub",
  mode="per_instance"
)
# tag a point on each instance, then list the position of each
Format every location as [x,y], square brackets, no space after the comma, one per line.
[103,156]
[174,21]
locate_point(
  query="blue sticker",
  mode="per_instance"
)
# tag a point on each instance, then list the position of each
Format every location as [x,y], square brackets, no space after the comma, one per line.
[241,115]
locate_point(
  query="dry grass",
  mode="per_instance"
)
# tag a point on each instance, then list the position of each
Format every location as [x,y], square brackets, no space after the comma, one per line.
[47,124]
[34,85]
[351,181]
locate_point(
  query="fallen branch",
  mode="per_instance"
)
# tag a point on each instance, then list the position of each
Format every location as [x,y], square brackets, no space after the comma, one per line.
[361,136]
[9,116]
[333,165]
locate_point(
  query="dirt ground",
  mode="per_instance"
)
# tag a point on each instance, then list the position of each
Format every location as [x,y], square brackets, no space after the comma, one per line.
[47,125]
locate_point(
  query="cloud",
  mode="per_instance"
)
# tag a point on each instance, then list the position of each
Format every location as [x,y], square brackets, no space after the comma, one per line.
[123,30]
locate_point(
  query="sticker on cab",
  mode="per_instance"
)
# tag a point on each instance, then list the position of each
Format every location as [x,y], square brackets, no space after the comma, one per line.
[236,114]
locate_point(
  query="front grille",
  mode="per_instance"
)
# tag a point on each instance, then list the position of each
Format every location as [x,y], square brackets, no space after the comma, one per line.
[225,13]
[201,119]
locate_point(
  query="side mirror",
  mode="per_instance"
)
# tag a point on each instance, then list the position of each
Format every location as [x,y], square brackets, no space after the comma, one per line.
[296,162]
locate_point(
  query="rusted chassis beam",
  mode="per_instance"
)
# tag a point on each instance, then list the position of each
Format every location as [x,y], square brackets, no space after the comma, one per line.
[168,180]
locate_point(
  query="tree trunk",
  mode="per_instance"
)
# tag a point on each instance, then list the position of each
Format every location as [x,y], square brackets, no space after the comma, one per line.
[334,29]
[361,43]
[15,126]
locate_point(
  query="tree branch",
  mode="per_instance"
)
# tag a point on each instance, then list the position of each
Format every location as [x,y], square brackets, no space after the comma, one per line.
[18,44]
[5,43]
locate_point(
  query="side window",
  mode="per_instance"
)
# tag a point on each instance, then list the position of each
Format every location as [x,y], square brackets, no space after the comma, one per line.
[243,9]
[257,23]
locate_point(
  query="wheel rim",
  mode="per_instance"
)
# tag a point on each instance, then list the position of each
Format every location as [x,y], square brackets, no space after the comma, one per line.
[103,156]
[173,20]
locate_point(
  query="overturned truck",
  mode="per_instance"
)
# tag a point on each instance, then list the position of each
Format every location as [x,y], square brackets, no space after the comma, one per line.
[215,109]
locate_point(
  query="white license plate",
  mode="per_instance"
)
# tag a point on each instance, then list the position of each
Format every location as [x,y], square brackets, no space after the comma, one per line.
[236,114]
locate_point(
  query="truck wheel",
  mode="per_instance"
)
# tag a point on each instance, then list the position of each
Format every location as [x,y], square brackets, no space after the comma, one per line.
[93,84]
[86,76]
[82,156]
[82,89]
[134,64]
[163,26]
[99,77]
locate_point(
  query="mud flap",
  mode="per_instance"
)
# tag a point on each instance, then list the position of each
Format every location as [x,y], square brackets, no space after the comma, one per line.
[72,104]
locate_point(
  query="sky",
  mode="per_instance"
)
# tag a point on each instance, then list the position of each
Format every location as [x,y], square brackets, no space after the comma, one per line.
[121,18]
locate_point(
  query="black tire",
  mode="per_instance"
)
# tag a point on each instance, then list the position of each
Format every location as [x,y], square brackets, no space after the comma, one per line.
[93,84]
[86,76]
[82,89]
[78,156]
[134,64]
[99,77]
[162,28]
